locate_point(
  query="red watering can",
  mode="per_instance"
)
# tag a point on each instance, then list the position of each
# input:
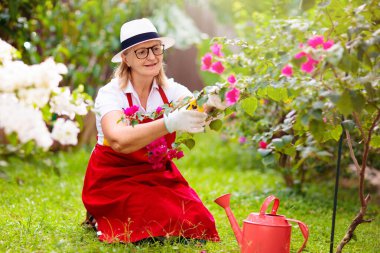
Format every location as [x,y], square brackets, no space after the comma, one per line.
[263,233]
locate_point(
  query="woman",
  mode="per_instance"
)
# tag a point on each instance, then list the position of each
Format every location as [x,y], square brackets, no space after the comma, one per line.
[129,197]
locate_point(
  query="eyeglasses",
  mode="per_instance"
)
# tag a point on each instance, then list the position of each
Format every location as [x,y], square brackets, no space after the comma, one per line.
[142,53]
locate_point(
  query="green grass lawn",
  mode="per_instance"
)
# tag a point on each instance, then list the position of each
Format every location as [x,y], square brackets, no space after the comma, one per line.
[42,209]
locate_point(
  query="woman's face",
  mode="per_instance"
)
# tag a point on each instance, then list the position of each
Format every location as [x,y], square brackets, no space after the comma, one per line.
[145,59]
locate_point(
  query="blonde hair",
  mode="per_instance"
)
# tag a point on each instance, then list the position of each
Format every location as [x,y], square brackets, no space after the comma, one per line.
[124,73]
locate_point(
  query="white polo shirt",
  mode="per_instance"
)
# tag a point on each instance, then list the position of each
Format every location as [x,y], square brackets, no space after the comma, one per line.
[111,98]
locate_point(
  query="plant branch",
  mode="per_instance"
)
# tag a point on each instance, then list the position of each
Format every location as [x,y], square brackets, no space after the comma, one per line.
[352,154]
[359,124]
[332,23]
[363,200]
[365,156]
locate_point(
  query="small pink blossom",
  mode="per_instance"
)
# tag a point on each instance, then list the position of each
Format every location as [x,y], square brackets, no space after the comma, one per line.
[300,55]
[217,49]
[159,153]
[158,109]
[328,44]
[231,79]
[206,61]
[131,110]
[232,96]
[309,66]
[173,153]
[242,139]
[217,67]
[316,41]
[324,119]
[287,70]
[263,144]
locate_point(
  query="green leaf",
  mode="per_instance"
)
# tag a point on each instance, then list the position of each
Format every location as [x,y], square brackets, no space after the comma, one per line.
[336,132]
[350,101]
[134,122]
[306,4]
[344,103]
[349,63]
[190,143]
[348,125]
[278,143]
[287,139]
[277,94]
[264,152]
[262,92]
[249,105]
[216,125]
[358,100]
[317,129]
[290,151]
[375,141]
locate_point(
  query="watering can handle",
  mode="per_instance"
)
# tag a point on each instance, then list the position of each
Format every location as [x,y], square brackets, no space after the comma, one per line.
[267,202]
[304,230]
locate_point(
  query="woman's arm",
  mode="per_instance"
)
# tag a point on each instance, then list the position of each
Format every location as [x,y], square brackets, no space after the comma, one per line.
[127,139]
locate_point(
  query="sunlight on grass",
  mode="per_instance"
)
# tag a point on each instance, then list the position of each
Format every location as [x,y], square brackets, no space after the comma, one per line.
[42,209]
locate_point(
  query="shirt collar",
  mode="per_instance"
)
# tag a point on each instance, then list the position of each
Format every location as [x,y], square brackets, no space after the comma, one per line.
[130,89]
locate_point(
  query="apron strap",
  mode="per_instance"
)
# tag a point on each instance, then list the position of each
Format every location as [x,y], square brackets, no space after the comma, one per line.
[163,95]
[129,97]
[160,90]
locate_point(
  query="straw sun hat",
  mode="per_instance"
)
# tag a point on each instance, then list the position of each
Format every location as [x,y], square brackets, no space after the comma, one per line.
[138,31]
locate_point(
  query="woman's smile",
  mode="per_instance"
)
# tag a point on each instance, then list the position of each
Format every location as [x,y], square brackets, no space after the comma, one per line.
[150,65]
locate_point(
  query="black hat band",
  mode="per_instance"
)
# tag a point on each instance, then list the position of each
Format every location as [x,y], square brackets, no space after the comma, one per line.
[138,38]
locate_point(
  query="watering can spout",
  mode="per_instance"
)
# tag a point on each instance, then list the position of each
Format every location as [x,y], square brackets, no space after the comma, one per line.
[224,201]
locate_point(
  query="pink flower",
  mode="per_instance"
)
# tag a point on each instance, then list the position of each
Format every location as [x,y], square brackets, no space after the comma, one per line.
[232,96]
[319,41]
[242,139]
[179,154]
[231,79]
[308,66]
[287,71]
[131,110]
[159,153]
[217,67]
[263,144]
[173,153]
[300,55]
[328,44]
[315,41]
[216,49]
[206,61]
[158,109]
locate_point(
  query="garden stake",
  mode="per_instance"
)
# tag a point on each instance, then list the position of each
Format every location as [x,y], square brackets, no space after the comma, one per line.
[336,191]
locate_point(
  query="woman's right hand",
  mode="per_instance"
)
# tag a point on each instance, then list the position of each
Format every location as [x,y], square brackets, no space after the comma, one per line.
[185,120]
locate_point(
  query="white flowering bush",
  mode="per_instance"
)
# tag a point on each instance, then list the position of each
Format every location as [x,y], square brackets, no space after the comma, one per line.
[34,110]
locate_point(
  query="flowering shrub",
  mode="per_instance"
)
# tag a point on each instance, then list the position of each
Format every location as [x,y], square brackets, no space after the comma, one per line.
[297,100]
[31,99]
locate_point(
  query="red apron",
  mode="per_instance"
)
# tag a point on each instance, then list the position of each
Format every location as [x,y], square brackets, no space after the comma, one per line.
[131,201]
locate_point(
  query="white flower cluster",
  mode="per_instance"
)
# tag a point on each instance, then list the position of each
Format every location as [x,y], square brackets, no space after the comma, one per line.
[7,52]
[25,90]
[24,120]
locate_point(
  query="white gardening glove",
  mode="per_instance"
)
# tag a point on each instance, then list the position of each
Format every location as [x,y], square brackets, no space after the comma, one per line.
[185,120]
[215,101]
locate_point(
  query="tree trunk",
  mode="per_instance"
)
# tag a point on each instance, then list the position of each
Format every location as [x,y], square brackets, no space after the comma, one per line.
[359,219]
